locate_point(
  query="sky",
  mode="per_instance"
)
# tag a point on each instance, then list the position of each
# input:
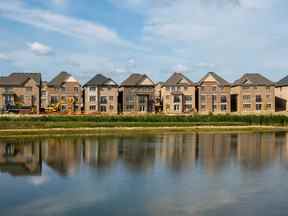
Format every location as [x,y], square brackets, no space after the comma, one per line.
[156,37]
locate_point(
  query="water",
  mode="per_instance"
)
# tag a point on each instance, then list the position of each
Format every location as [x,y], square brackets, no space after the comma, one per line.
[151,174]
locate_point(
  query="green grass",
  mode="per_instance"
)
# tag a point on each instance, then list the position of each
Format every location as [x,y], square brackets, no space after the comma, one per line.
[139,121]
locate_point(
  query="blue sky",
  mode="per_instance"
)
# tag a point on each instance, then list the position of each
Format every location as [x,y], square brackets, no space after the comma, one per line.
[156,37]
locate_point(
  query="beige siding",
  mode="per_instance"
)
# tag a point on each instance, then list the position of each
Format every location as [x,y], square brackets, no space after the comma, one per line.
[207,91]
[94,106]
[169,93]
[267,94]
[282,92]
[68,90]
[27,95]
[131,97]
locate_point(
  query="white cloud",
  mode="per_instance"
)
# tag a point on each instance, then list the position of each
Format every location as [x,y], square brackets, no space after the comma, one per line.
[66,25]
[38,180]
[5,57]
[205,65]
[59,2]
[40,49]
[180,68]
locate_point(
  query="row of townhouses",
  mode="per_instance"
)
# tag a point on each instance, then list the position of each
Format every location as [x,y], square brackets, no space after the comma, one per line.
[252,93]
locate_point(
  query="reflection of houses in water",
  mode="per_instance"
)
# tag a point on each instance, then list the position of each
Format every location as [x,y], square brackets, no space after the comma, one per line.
[282,144]
[20,158]
[138,153]
[62,155]
[256,150]
[215,150]
[177,150]
[100,152]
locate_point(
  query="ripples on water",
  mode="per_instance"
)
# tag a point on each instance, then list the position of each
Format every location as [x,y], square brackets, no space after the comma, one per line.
[151,174]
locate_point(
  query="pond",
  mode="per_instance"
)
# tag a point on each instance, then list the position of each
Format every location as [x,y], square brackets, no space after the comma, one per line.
[146,174]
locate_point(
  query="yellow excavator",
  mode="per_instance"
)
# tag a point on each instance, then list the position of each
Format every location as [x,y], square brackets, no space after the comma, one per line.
[55,108]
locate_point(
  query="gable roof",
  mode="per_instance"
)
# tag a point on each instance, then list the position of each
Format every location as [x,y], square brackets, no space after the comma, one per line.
[176,78]
[19,79]
[253,79]
[219,79]
[59,79]
[135,80]
[283,82]
[100,80]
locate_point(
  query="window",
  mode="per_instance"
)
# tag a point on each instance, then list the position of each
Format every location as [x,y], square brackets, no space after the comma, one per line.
[214,103]
[247,99]
[92,99]
[258,99]
[188,98]
[76,89]
[103,100]
[92,89]
[130,99]
[111,98]
[223,99]
[223,107]
[43,93]
[130,108]
[111,107]
[214,89]
[92,108]
[188,108]
[142,99]
[177,99]
[268,106]
[103,108]
[246,107]
[223,103]
[258,107]
[176,107]
[54,99]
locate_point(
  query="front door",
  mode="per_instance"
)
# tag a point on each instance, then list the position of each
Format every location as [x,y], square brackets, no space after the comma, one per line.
[143,103]
[8,99]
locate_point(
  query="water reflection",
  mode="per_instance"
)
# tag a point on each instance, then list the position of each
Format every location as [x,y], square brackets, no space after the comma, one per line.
[211,152]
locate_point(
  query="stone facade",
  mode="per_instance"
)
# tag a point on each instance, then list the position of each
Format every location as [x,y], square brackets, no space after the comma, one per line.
[99,99]
[254,99]
[138,99]
[281,94]
[27,95]
[214,95]
[178,99]
[138,94]
[64,93]
[178,95]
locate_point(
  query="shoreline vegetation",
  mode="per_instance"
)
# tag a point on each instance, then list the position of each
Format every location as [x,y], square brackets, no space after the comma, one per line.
[81,125]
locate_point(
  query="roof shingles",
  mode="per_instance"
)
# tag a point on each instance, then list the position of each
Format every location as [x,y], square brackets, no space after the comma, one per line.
[219,79]
[176,79]
[19,79]
[253,79]
[99,80]
[135,79]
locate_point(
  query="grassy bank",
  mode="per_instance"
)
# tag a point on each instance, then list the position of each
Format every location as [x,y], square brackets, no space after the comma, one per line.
[42,122]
